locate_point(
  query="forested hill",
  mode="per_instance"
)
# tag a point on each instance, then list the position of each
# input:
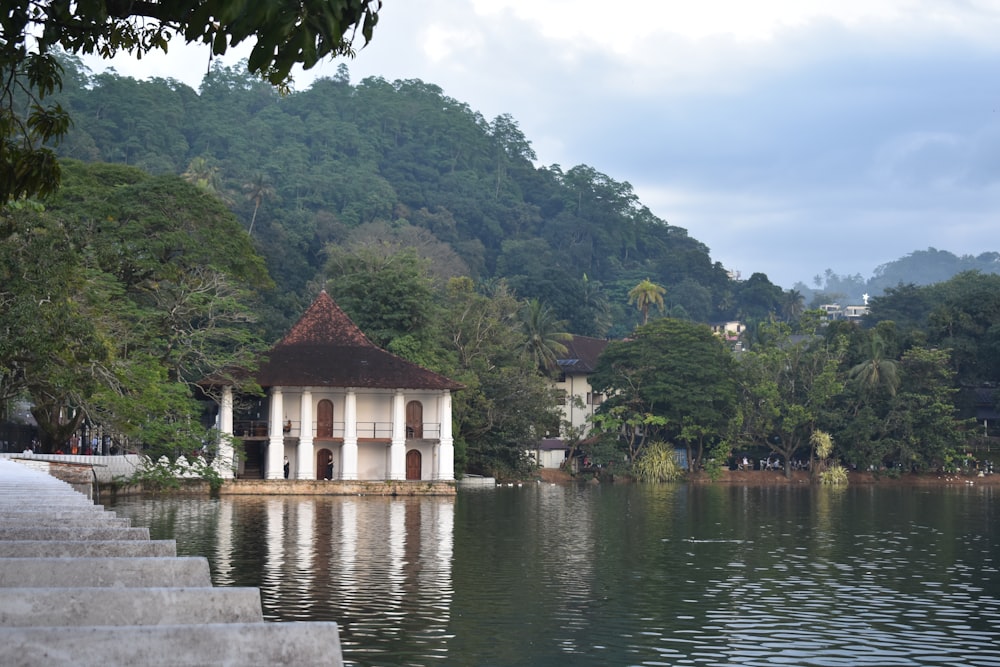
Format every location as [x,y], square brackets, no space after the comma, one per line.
[343,161]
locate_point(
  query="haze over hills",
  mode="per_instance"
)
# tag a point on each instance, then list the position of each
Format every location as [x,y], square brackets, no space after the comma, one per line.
[921,267]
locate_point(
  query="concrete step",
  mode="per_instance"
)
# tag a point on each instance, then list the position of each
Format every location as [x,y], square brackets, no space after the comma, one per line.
[102,572]
[55,513]
[44,500]
[87,549]
[53,503]
[27,607]
[303,644]
[72,533]
[39,520]
[77,588]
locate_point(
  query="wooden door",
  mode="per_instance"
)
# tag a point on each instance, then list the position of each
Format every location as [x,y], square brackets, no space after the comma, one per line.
[413,464]
[324,464]
[324,419]
[414,420]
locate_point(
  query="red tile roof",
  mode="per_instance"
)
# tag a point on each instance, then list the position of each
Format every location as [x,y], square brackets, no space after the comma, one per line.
[324,323]
[581,354]
[326,349]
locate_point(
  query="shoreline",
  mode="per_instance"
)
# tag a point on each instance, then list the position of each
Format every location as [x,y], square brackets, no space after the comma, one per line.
[799,477]
[769,478]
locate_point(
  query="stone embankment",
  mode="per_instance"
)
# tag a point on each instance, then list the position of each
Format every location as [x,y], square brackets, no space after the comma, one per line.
[80,586]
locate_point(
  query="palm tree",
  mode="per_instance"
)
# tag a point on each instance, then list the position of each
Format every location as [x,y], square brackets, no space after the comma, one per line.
[200,174]
[595,299]
[876,371]
[257,190]
[793,304]
[644,295]
[544,335]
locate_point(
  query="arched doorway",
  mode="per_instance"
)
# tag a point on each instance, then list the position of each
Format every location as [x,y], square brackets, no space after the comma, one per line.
[413,464]
[324,464]
[414,420]
[324,419]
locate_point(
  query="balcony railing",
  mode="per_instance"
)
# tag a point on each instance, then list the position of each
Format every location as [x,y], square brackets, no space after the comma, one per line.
[258,428]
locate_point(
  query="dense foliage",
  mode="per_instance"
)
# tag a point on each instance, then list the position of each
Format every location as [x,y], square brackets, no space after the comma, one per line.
[435,230]
[115,297]
[311,168]
[32,32]
[894,393]
[672,380]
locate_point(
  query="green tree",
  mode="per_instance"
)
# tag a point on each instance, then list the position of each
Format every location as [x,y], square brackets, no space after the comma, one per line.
[145,293]
[285,32]
[507,406]
[202,174]
[876,372]
[257,190]
[676,371]
[545,338]
[923,421]
[56,347]
[758,298]
[786,389]
[388,292]
[645,295]
[793,305]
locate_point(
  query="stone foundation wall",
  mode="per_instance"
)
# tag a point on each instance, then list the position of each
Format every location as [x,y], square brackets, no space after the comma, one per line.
[293,487]
[306,487]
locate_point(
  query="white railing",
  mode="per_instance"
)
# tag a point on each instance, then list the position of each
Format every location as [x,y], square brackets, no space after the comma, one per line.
[106,468]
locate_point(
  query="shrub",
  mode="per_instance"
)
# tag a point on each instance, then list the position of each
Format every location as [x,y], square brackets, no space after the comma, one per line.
[835,475]
[657,464]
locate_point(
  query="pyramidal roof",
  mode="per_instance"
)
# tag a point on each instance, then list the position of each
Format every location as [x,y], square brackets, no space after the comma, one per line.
[324,323]
[326,349]
[581,354]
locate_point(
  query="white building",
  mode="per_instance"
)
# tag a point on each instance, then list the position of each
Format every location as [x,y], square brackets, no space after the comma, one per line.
[339,407]
[581,401]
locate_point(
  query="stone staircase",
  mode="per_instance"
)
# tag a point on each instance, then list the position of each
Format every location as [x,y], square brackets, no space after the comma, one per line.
[80,586]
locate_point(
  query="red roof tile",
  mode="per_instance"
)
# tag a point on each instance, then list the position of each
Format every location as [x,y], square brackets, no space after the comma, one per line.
[324,323]
[581,354]
[326,349]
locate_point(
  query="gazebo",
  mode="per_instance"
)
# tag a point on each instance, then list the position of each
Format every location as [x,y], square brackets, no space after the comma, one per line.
[339,407]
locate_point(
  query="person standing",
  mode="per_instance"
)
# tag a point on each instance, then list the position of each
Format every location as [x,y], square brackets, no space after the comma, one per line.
[286,467]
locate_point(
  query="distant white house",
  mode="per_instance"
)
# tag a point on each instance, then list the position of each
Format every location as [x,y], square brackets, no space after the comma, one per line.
[581,401]
[576,367]
[834,311]
[855,312]
[731,331]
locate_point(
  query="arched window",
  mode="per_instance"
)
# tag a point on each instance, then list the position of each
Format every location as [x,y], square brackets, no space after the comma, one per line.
[324,419]
[414,419]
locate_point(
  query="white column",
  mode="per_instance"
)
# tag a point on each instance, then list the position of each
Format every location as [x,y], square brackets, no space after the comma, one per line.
[306,456]
[397,450]
[445,461]
[349,452]
[224,457]
[226,411]
[276,437]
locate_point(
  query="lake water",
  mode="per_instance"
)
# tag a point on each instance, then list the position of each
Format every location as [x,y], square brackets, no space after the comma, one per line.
[618,574]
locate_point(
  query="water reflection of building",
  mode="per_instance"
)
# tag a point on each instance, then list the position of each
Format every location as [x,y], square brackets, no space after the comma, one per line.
[382,567]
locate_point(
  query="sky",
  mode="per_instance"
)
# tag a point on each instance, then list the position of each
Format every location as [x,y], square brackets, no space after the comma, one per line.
[789,136]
